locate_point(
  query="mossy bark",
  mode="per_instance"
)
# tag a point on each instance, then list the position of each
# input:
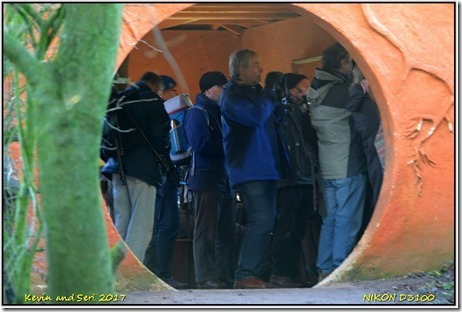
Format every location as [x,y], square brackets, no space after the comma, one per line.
[67,98]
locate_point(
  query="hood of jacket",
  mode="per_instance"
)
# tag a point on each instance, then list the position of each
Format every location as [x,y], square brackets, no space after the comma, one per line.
[322,84]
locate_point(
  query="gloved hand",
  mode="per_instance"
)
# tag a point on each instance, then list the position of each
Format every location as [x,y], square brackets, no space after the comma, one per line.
[274,82]
[275,85]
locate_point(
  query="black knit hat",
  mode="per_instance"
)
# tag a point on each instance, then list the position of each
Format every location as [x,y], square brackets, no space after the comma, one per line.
[210,79]
[293,79]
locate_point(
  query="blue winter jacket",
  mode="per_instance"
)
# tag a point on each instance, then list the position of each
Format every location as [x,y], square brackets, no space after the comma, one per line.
[250,134]
[203,132]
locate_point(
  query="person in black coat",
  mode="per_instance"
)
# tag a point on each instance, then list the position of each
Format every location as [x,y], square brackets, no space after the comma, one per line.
[137,174]
[366,119]
[295,192]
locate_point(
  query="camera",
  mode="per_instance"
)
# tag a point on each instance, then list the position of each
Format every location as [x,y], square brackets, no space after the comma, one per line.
[277,83]
[284,97]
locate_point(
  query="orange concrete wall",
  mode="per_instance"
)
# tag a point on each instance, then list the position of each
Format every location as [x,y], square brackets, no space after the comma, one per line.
[195,52]
[199,51]
[280,43]
[406,51]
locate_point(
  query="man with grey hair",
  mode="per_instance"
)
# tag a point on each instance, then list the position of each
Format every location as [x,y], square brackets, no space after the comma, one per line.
[254,157]
[341,158]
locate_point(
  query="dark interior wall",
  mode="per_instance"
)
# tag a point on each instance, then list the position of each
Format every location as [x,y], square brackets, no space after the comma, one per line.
[196,52]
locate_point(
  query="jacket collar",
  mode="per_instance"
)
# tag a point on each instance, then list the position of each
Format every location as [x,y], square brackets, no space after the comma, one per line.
[142,86]
[321,86]
[331,75]
[202,99]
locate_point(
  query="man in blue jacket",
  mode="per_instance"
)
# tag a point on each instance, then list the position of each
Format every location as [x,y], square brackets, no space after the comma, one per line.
[253,156]
[214,213]
[137,174]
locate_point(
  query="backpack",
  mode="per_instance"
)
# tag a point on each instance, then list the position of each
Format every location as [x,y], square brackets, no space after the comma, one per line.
[176,107]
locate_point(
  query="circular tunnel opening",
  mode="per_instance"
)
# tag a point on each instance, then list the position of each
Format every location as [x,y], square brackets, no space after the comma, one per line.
[387,55]
[169,47]
[413,226]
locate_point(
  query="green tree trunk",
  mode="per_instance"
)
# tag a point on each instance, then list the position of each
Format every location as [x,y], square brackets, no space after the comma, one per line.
[68,95]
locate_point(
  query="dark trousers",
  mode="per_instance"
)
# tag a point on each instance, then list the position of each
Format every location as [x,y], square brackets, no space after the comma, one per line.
[213,241]
[294,209]
[159,254]
[259,200]
[374,184]
[375,176]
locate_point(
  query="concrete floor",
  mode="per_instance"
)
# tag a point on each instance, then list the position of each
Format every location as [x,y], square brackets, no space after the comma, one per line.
[345,293]
[234,298]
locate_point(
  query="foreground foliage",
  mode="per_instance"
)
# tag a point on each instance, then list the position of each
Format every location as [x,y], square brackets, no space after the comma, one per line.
[58,69]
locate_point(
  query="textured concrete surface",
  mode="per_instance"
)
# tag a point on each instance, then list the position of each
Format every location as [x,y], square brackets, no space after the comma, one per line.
[431,288]
[410,290]
[299,296]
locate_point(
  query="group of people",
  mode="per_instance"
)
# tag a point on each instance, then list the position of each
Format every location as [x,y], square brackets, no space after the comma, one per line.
[291,150]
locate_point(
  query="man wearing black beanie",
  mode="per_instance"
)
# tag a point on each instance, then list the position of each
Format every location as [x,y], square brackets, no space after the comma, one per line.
[207,180]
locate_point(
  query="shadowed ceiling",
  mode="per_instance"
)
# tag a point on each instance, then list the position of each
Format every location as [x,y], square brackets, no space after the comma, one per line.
[232,17]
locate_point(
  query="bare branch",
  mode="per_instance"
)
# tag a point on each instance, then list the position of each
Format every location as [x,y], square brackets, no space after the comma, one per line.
[49,31]
[28,13]
[26,20]
[21,58]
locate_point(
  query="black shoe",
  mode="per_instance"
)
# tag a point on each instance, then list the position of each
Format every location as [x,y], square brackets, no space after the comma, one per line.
[311,275]
[279,281]
[229,283]
[322,275]
[174,283]
[251,282]
[212,285]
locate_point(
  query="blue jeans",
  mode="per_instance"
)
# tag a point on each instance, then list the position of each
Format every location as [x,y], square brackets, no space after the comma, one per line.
[159,254]
[344,200]
[259,199]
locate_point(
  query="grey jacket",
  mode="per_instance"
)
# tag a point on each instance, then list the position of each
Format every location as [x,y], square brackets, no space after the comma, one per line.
[340,153]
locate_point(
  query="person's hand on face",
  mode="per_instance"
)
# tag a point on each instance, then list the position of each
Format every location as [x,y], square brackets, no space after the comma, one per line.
[365,85]
[300,90]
